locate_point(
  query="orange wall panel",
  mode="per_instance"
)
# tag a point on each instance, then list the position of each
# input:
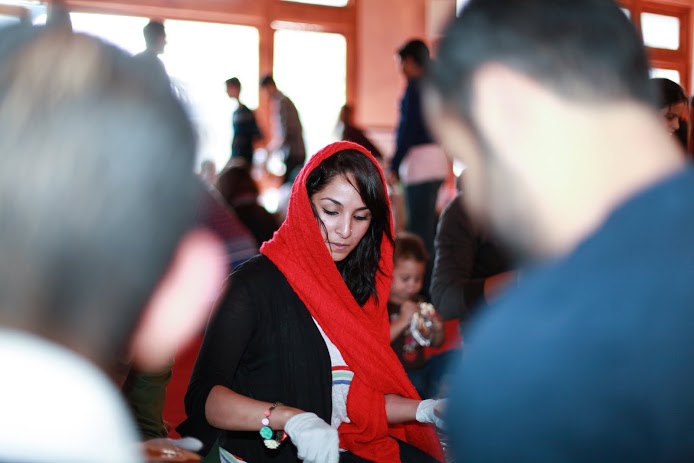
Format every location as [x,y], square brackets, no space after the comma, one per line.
[382,26]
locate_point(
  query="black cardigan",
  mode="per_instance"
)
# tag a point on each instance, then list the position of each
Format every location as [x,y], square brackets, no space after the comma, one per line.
[261,343]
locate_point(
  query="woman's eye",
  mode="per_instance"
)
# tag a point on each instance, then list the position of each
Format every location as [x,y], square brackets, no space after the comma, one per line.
[361,217]
[330,212]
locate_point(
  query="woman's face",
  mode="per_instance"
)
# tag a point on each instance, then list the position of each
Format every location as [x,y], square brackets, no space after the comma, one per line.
[672,115]
[345,217]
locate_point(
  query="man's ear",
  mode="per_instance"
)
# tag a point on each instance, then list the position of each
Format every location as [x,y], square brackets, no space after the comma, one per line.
[181,303]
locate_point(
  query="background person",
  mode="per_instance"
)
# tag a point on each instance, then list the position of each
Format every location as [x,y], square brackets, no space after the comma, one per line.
[470,267]
[244,125]
[348,131]
[673,107]
[287,132]
[409,266]
[418,161]
[240,191]
[155,42]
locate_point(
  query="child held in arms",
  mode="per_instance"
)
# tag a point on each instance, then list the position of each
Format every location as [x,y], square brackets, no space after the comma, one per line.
[414,324]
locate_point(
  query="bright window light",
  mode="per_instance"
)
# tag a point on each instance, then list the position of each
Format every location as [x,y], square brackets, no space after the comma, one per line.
[660,31]
[199,57]
[667,74]
[311,69]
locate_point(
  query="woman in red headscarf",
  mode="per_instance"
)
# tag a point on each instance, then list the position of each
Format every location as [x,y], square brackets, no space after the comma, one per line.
[296,362]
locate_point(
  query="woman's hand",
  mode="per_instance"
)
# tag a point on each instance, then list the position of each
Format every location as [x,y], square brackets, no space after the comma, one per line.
[431,411]
[315,440]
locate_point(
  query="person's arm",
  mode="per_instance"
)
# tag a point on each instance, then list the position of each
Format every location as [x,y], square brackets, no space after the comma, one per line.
[402,410]
[226,409]
[256,133]
[408,107]
[228,334]
[400,324]
[437,331]
[210,395]
[277,131]
[284,110]
[456,248]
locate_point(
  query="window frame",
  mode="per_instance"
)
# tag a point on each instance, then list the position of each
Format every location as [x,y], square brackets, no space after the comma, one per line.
[679,60]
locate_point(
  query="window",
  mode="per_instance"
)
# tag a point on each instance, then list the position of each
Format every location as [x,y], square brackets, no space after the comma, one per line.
[666,31]
[671,74]
[660,31]
[199,58]
[311,69]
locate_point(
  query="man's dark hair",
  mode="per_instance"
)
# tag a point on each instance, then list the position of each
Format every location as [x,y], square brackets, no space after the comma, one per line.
[96,184]
[266,80]
[233,82]
[417,51]
[153,31]
[584,50]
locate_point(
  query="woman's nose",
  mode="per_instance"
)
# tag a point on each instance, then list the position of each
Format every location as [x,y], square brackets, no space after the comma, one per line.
[344,228]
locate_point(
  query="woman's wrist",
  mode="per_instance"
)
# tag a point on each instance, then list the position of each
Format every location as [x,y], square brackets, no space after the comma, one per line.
[282,414]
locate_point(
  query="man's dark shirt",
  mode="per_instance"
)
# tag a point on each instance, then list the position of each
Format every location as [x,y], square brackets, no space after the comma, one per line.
[591,358]
[246,131]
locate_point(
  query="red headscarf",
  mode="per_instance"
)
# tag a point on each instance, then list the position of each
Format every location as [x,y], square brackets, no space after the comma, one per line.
[361,334]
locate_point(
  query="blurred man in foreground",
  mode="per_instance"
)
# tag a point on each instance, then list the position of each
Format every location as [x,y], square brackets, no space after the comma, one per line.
[98,253]
[549,105]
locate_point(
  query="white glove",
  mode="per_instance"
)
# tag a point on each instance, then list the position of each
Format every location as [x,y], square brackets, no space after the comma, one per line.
[430,411]
[315,440]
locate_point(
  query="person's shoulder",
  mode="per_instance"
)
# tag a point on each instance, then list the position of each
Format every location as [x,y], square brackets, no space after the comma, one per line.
[454,207]
[258,267]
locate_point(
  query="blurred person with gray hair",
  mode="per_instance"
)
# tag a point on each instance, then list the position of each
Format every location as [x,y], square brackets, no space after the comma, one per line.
[99,254]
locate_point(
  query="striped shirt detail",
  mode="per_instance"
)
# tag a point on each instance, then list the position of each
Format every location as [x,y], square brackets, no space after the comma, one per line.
[342,375]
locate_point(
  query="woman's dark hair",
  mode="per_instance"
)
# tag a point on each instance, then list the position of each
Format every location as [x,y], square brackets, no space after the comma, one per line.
[669,92]
[359,269]
[236,181]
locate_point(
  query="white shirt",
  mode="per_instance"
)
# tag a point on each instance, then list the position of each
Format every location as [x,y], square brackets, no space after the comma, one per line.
[342,379]
[57,407]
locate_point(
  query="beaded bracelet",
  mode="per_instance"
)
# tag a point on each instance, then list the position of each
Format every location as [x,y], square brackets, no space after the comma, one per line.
[271,439]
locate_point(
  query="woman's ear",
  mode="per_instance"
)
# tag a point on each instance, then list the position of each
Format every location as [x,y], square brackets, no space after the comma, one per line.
[181,303]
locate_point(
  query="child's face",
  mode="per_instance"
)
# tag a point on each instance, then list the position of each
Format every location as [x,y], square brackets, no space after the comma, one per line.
[408,275]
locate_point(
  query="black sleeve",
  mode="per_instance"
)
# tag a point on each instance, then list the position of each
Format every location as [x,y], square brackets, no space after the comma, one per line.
[453,287]
[228,334]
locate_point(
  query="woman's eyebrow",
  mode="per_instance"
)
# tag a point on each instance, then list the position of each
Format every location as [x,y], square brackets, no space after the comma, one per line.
[338,203]
[334,201]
